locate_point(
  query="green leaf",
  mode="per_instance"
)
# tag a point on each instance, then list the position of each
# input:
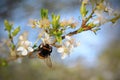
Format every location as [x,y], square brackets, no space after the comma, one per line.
[59,33]
[12,46]
[44,13]
[8,26]
[16,31]
[55,21]
[83,9]
[59,39]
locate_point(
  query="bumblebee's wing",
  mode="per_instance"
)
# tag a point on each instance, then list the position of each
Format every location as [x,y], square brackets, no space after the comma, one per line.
[48,62]
[32,54]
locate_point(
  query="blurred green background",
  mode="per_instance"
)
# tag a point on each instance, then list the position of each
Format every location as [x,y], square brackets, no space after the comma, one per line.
[97,58]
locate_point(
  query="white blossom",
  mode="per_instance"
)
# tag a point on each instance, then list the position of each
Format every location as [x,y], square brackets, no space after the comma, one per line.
[46,38]
[67,43]
[67,46]
[64,51]
[68,37]
[21,37]
[64,56]
[24,46]
[60,50]
[100,18]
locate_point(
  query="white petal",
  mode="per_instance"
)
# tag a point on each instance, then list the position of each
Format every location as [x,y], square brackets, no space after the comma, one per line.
[60,50]
[64,55]
[20,48]
[30,49]
[96,22]
[77,44]
[24,52]
[43,40]
[67,43]
[71,47]
[22,42]
[20,37]
[28,43]
[47,36]
[68,37]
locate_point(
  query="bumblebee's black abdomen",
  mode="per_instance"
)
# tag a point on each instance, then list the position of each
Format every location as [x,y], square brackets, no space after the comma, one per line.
[44,53]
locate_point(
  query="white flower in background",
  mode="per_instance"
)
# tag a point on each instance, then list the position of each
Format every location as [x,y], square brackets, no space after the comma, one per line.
[24,46]
[71,42]
[68,37]
[100,18]
[64,51]
[67,47]
[64,55]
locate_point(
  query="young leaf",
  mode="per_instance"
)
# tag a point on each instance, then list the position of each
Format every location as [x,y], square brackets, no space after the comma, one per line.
[44,13]
[15,32]
[59,39]
[55,21]
[8,26]
[83,9]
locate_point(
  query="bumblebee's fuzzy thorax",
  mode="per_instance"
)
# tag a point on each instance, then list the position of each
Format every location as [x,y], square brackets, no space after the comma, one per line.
[44,51]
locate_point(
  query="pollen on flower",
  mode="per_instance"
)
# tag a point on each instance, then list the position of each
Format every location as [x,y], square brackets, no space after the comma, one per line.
[71,23]
[44,23]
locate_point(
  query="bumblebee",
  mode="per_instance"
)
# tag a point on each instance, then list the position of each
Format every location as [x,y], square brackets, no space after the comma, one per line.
[44,52]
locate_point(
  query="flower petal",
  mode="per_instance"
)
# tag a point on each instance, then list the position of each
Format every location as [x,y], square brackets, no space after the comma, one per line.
[22,43]
[68,37]
[24,52]
[28,43]
[21,37]
[60,50]
[20,48]
[47,36]
[30,49]
[43,40]
[64,55]
[67,43]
